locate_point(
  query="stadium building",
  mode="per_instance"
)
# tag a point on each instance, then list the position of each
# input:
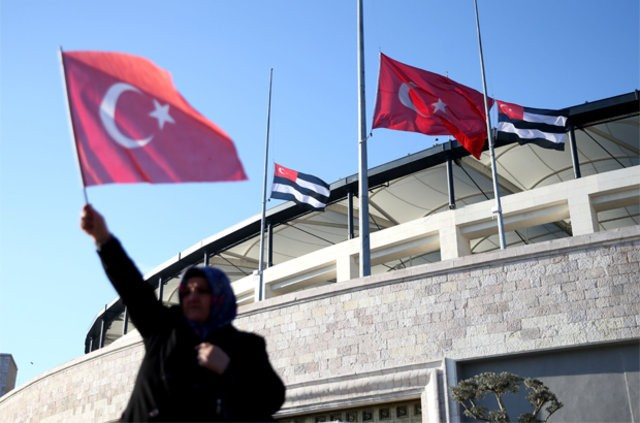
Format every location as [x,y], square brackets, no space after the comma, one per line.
[561,303]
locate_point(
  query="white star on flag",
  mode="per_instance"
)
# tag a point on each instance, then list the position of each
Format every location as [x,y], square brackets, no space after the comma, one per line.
[161,113]
[439,106]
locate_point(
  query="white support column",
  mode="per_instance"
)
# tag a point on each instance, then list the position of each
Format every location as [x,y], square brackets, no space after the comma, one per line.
[257,282]
[346,267]
[584,219]
[452,243]
[430,399]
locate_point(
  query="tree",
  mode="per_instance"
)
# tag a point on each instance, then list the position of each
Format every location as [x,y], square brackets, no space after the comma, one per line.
[469,391]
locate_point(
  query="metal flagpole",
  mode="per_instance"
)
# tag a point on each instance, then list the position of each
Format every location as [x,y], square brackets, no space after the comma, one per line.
[494,174]
[574,152]
[363,178]
[73,128]
[264,195]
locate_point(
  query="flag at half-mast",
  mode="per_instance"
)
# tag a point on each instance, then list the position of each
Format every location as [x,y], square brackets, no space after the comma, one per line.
[413,99]
[132,125]
[544,127]
[302,188]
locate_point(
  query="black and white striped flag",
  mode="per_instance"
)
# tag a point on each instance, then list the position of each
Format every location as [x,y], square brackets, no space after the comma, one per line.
[299,187]
[546,128]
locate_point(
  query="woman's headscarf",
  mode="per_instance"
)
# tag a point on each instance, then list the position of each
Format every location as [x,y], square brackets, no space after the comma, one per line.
[223,308]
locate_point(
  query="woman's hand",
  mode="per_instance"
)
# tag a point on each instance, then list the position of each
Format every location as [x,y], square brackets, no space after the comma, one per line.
[212,357]
[94,224]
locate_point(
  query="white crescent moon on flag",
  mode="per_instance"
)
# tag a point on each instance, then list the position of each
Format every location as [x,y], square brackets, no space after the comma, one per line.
[108,113]
[405,98]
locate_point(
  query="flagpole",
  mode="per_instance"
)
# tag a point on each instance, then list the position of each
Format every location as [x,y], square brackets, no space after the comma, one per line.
[494,173]
[263,220]
[73,128]
[363,178]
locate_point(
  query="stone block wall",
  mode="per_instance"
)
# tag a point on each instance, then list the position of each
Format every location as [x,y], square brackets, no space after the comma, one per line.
[570,292]
[381,338]
[93,388]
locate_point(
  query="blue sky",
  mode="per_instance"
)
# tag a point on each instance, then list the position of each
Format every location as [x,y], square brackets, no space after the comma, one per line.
[543,53]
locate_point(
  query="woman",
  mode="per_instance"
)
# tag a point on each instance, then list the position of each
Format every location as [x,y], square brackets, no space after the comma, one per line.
[197,366]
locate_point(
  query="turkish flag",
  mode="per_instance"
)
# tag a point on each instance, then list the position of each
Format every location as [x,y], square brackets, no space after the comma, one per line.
[412,99]
[131,125]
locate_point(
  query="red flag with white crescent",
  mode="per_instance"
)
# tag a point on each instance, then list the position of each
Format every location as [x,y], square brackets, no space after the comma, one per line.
[413,99]
[132,125]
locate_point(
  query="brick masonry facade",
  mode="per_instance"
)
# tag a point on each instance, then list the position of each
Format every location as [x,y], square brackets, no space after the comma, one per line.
[379,338]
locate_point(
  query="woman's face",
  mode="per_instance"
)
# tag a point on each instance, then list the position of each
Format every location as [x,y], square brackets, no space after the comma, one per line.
[196,299]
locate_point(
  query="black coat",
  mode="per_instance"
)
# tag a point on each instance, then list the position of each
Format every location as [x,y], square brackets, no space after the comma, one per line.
[170,385]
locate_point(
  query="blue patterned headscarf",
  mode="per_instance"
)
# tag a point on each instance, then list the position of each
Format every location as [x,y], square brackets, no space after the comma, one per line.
[223,300]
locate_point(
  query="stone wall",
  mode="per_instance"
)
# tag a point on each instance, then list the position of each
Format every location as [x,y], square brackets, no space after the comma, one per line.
[568,292]
[93,388]
[382,338]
